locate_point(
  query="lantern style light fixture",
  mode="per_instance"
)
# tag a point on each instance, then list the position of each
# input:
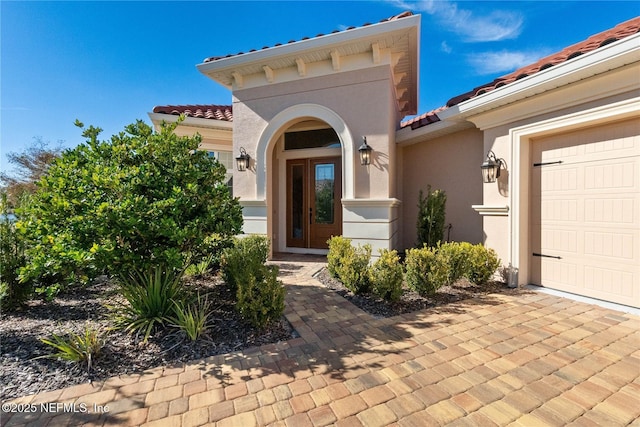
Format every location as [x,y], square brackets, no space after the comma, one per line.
[242,161]
[491,168]
[365,152]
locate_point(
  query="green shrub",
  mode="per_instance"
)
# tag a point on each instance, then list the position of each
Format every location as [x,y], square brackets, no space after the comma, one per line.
[4,294]
[475,262]
[140,199]
[353,270]
[246,258]
[386,276]
[12,259]
[191,318]
[484,263]
[260,298]
[84,347]
[151,295]
[338,248]
[259,293]
[431,217]
[455,255]
[200,268]
[426,272]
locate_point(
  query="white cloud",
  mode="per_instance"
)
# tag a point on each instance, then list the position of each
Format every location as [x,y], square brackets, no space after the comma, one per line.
[503,61]
[444,46]
[497,25]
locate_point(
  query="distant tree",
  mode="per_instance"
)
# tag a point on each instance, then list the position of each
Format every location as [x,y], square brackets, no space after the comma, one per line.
[30,165]
[141,199]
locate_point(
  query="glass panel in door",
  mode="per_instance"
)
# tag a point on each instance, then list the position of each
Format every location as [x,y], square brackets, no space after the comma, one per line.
[324,193]
[297,204]
[325,206]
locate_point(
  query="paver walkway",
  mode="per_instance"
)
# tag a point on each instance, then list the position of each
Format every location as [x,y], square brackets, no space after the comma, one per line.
[523,360]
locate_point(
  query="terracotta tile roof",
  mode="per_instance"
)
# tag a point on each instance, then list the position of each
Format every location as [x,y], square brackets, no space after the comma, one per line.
[214,112]
[594,42]
[423,119]
[393,18]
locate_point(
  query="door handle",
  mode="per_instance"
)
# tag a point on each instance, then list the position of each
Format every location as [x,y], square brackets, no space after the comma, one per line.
[546,256]
[310,216]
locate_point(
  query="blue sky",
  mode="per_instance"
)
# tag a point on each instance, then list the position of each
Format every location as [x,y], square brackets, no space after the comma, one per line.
[109,63]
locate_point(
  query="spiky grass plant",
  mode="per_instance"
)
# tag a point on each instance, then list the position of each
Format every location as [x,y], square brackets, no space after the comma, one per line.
[151,296]
[192,318]
[84,347]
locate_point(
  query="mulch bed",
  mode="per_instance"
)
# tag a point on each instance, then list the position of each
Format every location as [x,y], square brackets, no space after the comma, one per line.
[23,373]
[411,300]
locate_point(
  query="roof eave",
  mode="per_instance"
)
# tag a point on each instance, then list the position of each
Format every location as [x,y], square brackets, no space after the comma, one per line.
[158,118]
[408,136]
[612,56]
[226,66]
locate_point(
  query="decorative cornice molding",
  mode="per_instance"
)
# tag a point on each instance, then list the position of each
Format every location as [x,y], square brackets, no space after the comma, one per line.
[487,210]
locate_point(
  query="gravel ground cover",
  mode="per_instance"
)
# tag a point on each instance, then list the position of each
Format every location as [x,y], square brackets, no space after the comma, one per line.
[22,372]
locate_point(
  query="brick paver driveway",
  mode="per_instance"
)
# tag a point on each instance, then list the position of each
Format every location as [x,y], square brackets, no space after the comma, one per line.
[524,360]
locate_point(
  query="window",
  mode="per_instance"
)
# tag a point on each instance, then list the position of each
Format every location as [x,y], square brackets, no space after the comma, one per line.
[321,138]
[227,160]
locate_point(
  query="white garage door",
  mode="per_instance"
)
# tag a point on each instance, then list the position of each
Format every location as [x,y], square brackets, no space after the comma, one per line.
[585,218]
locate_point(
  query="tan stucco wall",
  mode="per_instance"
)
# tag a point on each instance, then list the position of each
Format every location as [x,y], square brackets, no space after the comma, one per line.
[498,231]
[450,163]
[362,99]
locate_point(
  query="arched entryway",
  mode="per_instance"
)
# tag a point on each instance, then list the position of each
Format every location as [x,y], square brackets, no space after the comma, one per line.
[307,171]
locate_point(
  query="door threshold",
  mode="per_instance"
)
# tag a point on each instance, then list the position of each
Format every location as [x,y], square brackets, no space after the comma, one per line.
[310,251]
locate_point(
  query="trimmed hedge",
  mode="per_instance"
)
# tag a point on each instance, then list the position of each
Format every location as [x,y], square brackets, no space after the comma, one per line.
[386,276]
[426,269]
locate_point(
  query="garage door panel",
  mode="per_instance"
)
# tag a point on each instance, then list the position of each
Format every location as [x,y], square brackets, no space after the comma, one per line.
[558,242]
[618,246]
[559,179]
[602,282]
[562,275]
[620,210]
[611,174]
[559,210]
[585,216]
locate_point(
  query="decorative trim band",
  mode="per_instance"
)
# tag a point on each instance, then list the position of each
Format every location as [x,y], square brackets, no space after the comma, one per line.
[491,210]
[392,203]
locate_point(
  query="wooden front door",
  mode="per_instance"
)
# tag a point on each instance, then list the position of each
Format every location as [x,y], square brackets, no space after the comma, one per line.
[314,210]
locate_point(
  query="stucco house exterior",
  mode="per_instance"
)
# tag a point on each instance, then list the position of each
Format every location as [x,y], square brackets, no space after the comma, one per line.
[565,131]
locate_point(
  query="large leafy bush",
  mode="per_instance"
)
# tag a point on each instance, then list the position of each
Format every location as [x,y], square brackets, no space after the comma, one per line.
[142,198]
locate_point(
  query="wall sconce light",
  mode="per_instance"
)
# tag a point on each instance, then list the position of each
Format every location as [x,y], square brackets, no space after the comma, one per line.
[242,161]
[365,152]
[491,167]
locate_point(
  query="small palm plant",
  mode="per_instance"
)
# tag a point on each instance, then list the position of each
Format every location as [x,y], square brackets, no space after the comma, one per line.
[151,296]
[84,347]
